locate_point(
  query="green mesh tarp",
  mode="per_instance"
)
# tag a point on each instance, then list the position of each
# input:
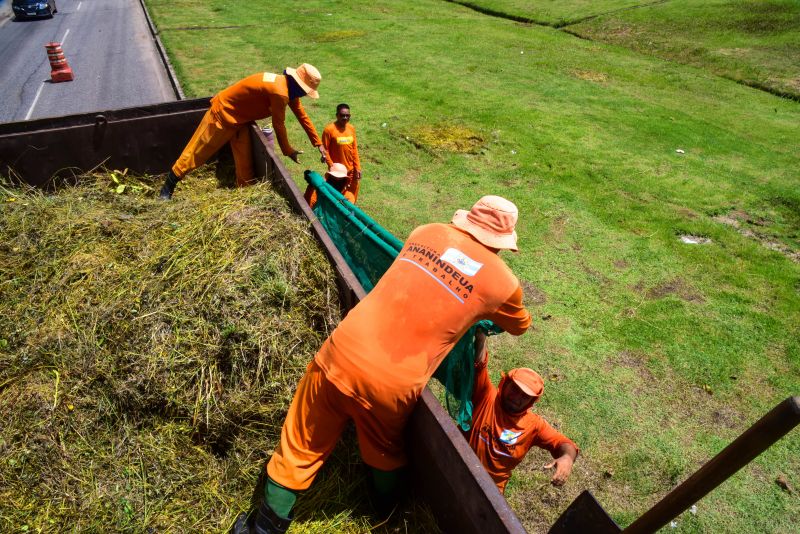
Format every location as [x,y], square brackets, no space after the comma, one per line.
[369,250]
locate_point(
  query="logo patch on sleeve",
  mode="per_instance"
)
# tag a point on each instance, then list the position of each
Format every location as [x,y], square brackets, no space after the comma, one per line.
[461,261]
[269,77]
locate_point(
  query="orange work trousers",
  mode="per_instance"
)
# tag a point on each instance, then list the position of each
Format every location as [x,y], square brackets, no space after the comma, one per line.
[352,189]
[311,196]
[316,420]
[210,135]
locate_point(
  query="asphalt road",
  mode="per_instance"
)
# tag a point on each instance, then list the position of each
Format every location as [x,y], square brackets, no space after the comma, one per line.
[109,47]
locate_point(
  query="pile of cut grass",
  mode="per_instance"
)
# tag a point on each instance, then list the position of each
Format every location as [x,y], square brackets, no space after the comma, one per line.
[148,355]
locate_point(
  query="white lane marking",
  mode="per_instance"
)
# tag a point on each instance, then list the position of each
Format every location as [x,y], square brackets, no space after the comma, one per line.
[36,99]
[79,6]
[65,37]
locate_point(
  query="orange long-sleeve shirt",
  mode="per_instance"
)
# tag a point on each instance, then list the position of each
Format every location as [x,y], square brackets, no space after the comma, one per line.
[386,349]
[501,440]
[260,96]
[341,146]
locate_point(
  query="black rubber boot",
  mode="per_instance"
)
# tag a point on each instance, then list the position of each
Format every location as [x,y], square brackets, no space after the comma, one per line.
[388,490]
[169,186]
[262,521]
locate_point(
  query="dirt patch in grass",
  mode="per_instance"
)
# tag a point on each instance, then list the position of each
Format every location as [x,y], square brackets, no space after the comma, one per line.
[688,213]
[594,275]
[621,264]
[726,417]
[533,295]
[620,32]
[447,138]
[756,228]
[633,360]
[557,229]
[737,217]
[590,76]
[339,35]
[676,287]
[732,52]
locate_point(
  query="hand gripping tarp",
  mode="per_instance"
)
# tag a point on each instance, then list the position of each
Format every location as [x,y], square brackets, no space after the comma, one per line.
[369,250]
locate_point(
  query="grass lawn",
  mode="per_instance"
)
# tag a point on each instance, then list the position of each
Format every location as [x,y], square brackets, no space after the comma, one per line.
[754,42]
[656,352]
[551,12]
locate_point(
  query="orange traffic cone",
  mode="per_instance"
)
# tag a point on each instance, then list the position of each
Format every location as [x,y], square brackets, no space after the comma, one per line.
[61,71]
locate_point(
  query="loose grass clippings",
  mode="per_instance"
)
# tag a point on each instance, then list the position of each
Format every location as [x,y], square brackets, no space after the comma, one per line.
[149,353]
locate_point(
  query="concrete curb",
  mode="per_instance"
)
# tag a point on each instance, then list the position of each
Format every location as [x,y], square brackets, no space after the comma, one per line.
[162,52]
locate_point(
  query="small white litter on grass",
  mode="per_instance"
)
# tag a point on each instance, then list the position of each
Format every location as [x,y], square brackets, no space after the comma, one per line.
[680,151]
[383,125]
[673,524]
[513,152]
[693,509]
[695,240]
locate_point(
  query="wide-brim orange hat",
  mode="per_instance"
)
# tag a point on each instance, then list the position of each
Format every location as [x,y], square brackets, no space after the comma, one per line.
[528,381]
[338,170]
[308,77]
[491,221]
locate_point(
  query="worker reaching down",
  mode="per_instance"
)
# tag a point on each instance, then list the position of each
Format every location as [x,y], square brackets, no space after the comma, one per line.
[256,97]
[373,367]
[503,426]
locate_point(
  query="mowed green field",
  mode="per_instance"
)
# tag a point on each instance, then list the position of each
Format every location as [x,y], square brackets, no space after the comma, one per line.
[755,42]
[554,12]
[656,353]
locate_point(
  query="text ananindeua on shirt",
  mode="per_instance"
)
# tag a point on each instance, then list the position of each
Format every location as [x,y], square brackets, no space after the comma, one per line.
[431,260]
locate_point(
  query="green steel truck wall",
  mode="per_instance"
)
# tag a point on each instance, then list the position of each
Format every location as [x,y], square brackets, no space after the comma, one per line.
[447,475]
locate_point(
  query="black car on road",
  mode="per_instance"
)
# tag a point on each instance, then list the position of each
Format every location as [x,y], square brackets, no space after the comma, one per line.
[25,9]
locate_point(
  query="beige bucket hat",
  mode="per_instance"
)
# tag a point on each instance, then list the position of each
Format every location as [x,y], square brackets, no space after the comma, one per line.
[338,170]
[491,221]
[308,77]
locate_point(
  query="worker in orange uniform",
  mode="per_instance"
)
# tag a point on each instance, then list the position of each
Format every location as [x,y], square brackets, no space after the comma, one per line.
[503,426]
[256,97]
[339,140]
[337,178]
[373,367]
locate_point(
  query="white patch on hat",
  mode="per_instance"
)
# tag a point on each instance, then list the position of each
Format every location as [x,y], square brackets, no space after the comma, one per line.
[461,261]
